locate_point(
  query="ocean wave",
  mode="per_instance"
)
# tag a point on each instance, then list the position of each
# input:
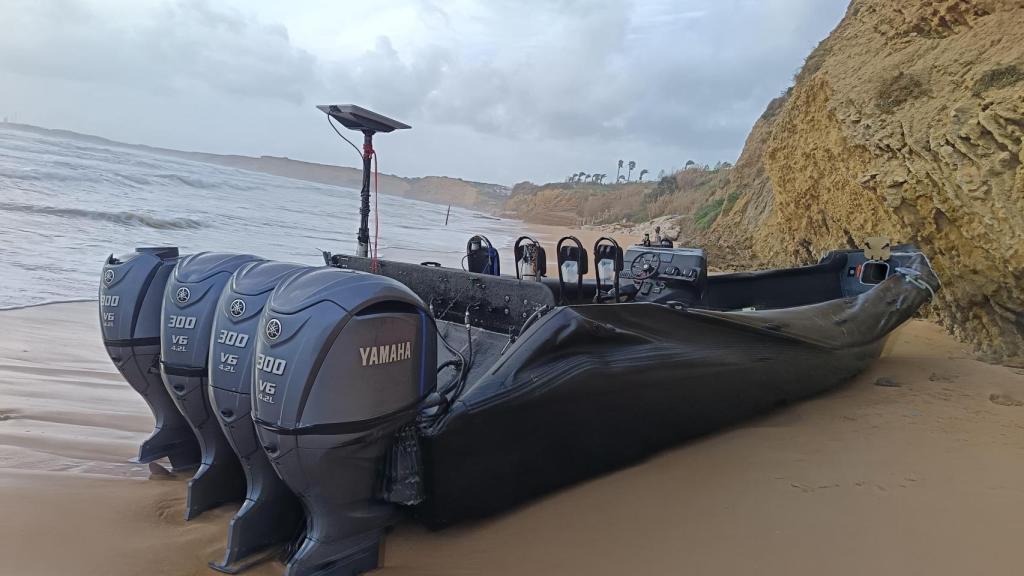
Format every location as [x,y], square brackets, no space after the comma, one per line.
[66,173]
[204,183]
[37,175]
[135,179]
[126,218]
[45,303]
[190,181]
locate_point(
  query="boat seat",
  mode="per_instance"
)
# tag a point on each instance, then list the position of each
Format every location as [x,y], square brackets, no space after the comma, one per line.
[572,267]
[482,257]
[608,262]
[531,259]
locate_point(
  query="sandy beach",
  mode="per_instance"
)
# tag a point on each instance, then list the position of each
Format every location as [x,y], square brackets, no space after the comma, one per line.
[921,476]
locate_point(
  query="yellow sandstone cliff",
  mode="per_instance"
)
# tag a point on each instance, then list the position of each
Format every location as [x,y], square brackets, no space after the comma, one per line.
[906,121]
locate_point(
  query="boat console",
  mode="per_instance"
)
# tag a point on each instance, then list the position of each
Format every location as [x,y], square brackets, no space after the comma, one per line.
[663,274]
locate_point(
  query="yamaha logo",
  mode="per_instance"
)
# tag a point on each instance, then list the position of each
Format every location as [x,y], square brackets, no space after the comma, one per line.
[237,307]
[182,295]
[273,329]
[108,277]
[385,353]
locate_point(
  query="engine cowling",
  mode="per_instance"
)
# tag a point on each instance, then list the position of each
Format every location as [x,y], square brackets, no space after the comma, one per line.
[130,296]
[343,360]
[271,514]
[189,303]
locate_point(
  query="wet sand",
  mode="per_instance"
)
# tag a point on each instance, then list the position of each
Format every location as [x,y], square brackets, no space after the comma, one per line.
[922,476]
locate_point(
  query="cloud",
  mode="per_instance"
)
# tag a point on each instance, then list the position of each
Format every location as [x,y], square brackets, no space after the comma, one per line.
[546,86]
[392,83]
[177,47]
[657,72]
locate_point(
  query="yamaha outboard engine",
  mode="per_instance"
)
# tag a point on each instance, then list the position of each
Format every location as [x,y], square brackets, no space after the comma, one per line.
[190,301]
[131,293]
[343,360]
[271,514]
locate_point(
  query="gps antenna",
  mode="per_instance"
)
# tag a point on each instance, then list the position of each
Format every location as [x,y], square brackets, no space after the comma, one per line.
[369,123]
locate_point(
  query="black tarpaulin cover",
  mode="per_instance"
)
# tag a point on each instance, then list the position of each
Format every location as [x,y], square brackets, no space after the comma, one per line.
[592,388]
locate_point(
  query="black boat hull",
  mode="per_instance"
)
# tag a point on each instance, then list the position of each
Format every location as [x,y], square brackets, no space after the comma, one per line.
[589,389]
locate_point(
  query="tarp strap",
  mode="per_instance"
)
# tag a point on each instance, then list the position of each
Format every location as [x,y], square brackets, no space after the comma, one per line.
[914,277]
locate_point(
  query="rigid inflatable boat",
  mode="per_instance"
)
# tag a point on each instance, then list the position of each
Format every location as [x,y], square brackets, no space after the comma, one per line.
[334,398]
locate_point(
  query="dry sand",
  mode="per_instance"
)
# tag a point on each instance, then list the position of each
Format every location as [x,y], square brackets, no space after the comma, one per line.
[925,477]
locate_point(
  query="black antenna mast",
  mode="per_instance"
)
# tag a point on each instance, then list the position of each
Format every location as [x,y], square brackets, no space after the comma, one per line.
[369,123]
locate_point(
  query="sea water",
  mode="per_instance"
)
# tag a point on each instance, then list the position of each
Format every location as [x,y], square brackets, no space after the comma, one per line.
[66,204]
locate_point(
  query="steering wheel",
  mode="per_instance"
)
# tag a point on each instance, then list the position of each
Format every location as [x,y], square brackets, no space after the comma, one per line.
[644,266]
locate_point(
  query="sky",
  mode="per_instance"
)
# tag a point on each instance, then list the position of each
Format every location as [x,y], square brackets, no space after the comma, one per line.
[495,90]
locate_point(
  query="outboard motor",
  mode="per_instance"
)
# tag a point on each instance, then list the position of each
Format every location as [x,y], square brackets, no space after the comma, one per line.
[271,514]
[343,361]
[190,302]
[131,293]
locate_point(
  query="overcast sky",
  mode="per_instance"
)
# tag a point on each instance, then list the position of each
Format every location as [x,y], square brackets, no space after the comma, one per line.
[496,90]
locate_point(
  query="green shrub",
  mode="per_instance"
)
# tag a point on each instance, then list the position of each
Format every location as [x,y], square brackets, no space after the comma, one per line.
[665,187]
[898,90]
[731,199]
[708,213]
[998,78]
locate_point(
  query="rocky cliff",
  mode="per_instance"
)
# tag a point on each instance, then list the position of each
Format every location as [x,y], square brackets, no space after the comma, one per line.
[435,189]
[906,121]
[565,204]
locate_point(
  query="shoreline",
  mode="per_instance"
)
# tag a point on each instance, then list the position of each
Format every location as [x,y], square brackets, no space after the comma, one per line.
[46,303]
[922,477]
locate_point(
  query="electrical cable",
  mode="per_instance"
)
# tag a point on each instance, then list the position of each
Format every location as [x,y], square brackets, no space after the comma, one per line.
[449,308]
[469,361]
[338,132]
[376,213]
[447,363]
[455,387]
